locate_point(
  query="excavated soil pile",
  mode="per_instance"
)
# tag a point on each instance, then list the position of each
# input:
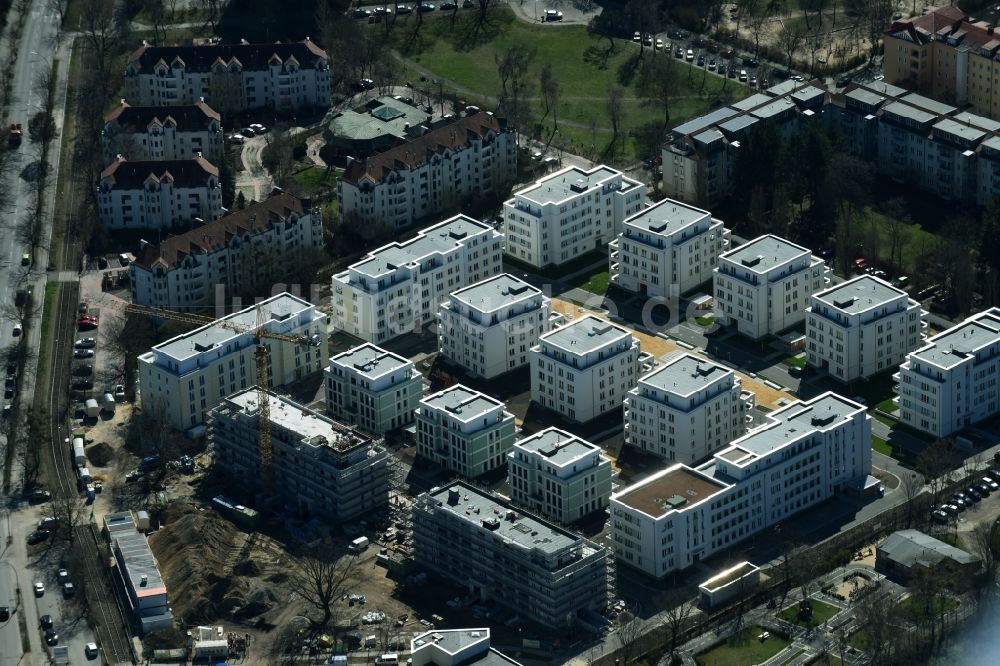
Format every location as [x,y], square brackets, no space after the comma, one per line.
[100,454]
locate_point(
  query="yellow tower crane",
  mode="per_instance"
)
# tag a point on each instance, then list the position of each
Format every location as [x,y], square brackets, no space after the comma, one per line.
[260,357]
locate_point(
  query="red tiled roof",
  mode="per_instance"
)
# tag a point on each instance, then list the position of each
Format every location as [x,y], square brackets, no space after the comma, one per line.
[251,56]
[454,136]
[210,236]
[137,118]
[122,173]
[946,22]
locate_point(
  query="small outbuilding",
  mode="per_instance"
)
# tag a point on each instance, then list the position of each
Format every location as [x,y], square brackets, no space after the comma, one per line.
[906,551]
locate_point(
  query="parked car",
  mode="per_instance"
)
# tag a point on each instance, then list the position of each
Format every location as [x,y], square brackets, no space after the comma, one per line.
[38,536]
[37,496]
[950,509]
[360,13]
[647,39]
[39,589]
[690,56]
[974,493]
[16,330]
[939,516]
[45,621]
[238,139]
[83,370]
[553,15]
[68,590]
[119,393]
[468,4]
[404,9]
[983,488]
[83,353]
[679,53]
[85,343]
[90,649]
[82,385]
[743,76]
[51,637]
[701,60]
[448,5]
[4,613]
[843,81]
[659,44]
[991,483]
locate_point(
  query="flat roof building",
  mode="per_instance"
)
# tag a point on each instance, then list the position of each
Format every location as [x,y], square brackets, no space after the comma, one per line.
[373,389]
[464,431]
[456,647]
[862,327]
[559,476]
[534,568]
[138,573]
[950,383]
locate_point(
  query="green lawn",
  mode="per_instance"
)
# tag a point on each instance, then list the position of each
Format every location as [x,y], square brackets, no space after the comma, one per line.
[885,419]
[888,406]
[743,649]
[915,242]
[919,607]
[558,272]
[881,446]
[822,612]
[796,361]
[465,54]
[596,283]
[707,320]
[316,180]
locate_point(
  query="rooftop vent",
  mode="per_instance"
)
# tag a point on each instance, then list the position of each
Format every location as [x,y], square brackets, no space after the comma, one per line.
[491,524]
[752,261]
[579,186]
[658,227]
[453,496]
[844,302]
[143,579]
[201,347]
[820,421]
[675,501]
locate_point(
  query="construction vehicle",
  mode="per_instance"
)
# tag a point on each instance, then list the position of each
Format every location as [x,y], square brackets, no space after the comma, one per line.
[15,135]
[261,360]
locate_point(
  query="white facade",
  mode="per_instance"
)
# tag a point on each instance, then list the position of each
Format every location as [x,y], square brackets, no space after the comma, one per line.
[186,376]
[763,287]
[951,382]
[862,327]
[153,133]
[456,647]
[667,249]
[244,250]
[585,368]
[464,431]
[686,410]
[807,452]
[398,288]
[569,213]
[489,327]
[159,195]
[320,467]
[559,476]
[432,174]
[231,77]
[373,389]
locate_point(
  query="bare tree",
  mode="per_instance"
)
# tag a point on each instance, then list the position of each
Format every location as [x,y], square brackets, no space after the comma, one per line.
[658,83]
[59,7]
[225,92]
[101,32]
[677,617]
[627,627]
[320,583]
[985,542]
[548,86]
[936,462]
[615,104]
[873,613]
[790,40]
[512,68]
[68,510]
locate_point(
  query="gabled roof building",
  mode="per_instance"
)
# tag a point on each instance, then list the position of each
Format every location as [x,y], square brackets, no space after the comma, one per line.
[155,133]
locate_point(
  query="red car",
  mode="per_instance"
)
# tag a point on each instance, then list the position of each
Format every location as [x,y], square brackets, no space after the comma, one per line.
[87,322]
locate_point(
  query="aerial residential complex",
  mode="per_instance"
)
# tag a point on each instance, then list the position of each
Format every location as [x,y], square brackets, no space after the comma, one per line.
[585,368]
[559,476]
[666,250]
[464,431]
[861,327]
[951,382]
[910,138]
[373,389]
[947,54]
[568,214]
[188,375]
[321,467]
[763,287]
[138,573]
[398,288]
[489,327]
[806,452]
[456,647]
[686,410]
[533,568]
[432,174]
[165,195]
[246,249]
[143,133]
[383,123]
[231,77]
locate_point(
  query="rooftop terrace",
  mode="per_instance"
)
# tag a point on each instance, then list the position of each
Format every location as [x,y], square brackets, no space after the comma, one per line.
[672,489]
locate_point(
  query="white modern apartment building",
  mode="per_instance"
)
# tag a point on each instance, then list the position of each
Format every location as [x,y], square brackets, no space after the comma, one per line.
[804,454]
[763,287]
[667,249]
[585,368]
[559,476]
[686,410]
[464,431]
[231,77]
[531,567]
[320,467]
[569,213]
[489,327]
[432,174]
[456,647]
[951,382]
[398,288]
[861,327]
[188,375]
[373,389]
[159,195]
[155,133]
[247,249]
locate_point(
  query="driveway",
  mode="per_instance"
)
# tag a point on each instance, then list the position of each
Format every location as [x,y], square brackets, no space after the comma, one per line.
[574,11]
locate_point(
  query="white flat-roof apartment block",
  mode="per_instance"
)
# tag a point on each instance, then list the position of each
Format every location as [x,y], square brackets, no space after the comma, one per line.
[861,327]
[559,476]
[488,328]
[763,287]
[951,382]
[806,452]
[321,467]
[398,287]
[532,567]
[569,213]
[188,375]
[686,410]
[373,389]
[667,249]
[456,647]
[464,431]
[585,368]
[139,573]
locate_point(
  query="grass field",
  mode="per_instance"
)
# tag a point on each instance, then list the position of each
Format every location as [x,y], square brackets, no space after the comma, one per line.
[881,446]
[822,612]
[464,55]
[796,361]
[316,180]
[595,284]
[918,607]
[743,649]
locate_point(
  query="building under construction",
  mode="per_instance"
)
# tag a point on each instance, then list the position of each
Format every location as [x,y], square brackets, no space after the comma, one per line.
[321,467]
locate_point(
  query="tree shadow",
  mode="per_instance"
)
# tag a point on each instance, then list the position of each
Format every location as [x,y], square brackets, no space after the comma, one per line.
[628,69]
[598,57]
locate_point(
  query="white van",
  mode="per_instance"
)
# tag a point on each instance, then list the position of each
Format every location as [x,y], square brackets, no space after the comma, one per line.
[391,658]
